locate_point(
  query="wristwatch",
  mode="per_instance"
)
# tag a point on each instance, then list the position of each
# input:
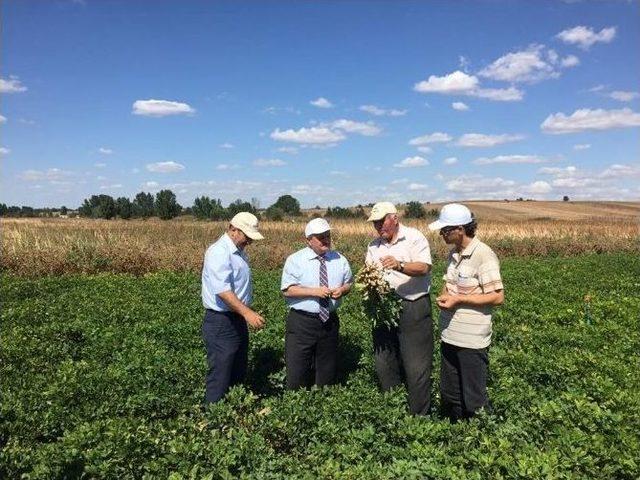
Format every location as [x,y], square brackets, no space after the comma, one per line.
[401,267]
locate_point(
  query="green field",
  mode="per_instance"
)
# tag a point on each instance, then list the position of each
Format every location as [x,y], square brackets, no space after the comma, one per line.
[102,377]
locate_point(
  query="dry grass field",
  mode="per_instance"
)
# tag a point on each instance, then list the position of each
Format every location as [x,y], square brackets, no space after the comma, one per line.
[51,246]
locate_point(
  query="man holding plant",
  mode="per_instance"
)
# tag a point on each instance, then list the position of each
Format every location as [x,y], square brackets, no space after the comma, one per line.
[403,252]
[314,280]
[226,295]
[473,286]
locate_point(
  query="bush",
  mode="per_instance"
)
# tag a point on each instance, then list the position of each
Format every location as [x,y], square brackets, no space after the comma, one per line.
[414,210]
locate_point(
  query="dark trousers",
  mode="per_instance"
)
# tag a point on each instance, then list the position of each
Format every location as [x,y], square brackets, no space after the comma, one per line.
[463,381]
[226,338]
[311,345]
[408,347]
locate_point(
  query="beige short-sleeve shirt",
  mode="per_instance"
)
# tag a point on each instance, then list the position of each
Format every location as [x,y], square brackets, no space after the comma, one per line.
[474,270]
[410,246]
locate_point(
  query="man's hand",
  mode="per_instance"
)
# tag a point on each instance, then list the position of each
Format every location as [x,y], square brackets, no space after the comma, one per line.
[336,293]
[254,319]
[447,301]
[323,292]
[390,262]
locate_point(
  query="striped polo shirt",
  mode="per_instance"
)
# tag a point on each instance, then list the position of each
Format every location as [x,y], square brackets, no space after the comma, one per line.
[474,270]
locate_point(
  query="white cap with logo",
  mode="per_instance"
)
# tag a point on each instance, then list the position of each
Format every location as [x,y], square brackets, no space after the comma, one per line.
[452,215]
[316,226]
[381,210]
[248,223]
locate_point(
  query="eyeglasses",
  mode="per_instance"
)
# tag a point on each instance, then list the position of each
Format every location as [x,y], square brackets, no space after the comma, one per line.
[448,230]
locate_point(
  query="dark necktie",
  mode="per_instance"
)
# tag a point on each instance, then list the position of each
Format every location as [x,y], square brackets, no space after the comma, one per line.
[324,282]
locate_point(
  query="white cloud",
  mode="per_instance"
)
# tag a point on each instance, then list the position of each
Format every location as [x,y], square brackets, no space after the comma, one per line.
[429,138]
[482,140]
[586,119]
[338,173]
[621,171]
[368,129]
[400,181]
[624,96]
[12,85]
[510,159]
[226,166]
[582,146]
[585,37]
[151,185]
[411,162]
[570,61]
[456,82]
[459,83]
[99,165]
[425,149]
[289,150]
[269,162]
[4,151]
[524,66]
[105,151]
[51,174]
[114,186]
[460,106]
[417,186]
[160,108]
[538,188]
[450,161]
[3,119]
[375,110]
[477,184]
[226,146]
[165,167]
[311,135]
[558,171]
[321,102]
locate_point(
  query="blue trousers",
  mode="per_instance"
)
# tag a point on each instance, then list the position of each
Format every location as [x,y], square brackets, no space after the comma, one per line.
[226,338]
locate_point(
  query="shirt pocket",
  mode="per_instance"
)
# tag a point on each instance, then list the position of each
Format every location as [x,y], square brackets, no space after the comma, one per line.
[467,279]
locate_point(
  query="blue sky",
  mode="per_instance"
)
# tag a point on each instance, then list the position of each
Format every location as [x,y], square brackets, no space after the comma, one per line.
[336,103]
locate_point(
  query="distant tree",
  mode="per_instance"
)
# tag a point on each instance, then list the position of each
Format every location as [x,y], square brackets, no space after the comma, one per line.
[201,208]
[274,213]
[239,206]
[565,198]
[255,203]
[341,212]
[98,206]
[166,205]
[124,208]
[143,205]
[288,204]
[64,210]
[414,210]
[3,210]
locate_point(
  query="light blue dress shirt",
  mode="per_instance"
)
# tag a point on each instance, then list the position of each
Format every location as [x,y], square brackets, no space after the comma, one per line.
[303,268]
[225,268]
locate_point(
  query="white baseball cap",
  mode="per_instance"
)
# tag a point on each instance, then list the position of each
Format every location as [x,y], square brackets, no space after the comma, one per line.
[316,226]
[381,210]
[451,215]
[248,223]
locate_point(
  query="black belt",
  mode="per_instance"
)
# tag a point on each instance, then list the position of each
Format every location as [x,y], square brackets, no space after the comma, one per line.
[226,314]
[312,315]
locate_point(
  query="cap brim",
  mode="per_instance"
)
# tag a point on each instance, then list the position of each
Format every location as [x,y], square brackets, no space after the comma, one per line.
[254,235]
[437,225]
[375,218]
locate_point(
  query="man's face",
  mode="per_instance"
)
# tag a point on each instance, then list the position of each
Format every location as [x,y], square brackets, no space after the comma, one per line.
[387,226]
[451,235]
[239,238]
[320,243]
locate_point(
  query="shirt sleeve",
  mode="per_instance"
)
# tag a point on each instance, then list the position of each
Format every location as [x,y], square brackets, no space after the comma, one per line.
[420,251]
[347,275]
[369,257]
[217,268]
[290,274]
[489,273]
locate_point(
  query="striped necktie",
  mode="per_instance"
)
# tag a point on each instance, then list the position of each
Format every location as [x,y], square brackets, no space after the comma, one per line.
[324,282]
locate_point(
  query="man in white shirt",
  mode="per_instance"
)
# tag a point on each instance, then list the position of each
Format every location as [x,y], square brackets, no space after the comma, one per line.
[404,254]
[226,295]
[314,280]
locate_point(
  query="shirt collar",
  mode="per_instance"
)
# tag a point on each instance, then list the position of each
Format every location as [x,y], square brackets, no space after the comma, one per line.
[402,233]
[311,255]
[229,243]
[469,249]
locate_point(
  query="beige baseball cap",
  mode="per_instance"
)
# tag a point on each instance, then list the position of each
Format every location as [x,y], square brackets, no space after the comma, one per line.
[381,210]
[248,223]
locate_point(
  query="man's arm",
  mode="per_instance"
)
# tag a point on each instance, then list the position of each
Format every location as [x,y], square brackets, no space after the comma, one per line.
[233,302]
[448,301]
[413,269]
[298,291]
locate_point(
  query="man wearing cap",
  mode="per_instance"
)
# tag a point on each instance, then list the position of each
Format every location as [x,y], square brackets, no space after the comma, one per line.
[314,280]
[473,285]
[226,296]
[405,255]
